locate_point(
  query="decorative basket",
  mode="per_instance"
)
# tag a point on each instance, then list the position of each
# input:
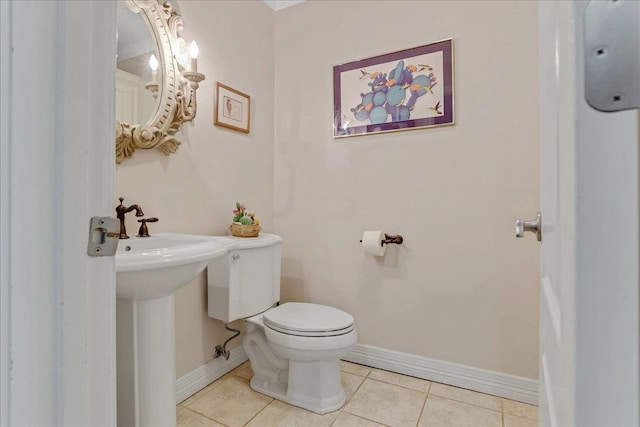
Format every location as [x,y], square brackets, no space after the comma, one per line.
[240,230]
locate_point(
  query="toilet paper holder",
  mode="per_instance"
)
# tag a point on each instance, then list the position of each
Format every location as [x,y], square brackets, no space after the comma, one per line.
[390,238]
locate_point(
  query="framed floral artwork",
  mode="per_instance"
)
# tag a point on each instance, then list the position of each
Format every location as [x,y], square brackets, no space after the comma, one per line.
[403,90]
[232,108]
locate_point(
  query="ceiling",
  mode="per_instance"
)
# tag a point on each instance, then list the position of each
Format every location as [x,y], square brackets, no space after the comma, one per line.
[281,4]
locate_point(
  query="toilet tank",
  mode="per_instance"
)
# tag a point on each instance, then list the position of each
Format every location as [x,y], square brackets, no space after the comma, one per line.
[246,280]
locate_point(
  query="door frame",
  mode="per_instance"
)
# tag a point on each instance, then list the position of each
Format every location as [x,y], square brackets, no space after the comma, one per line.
[597,379]
[5,132]
[57,165]
[607,254]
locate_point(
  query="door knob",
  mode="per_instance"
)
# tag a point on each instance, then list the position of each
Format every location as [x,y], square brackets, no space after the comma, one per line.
[534,226]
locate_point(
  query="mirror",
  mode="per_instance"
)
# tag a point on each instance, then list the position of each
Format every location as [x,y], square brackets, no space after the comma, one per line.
[151,107]
[136,83]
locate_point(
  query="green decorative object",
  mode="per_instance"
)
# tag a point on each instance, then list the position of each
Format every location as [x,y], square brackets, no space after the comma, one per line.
[245,224]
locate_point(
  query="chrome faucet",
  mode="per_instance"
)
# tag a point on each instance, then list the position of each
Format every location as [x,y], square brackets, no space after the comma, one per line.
[121,211]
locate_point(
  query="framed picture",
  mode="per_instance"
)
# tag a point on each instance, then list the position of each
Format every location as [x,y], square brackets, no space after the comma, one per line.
[404,90]
[232,108]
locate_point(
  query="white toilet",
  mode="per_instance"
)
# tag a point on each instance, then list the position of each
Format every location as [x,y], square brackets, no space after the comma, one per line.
[294,348]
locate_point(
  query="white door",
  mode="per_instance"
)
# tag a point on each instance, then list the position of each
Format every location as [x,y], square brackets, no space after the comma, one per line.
[57,305]
[127,96]
[589,361]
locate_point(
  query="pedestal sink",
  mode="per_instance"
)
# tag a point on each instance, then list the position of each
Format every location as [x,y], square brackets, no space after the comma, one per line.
[148,272]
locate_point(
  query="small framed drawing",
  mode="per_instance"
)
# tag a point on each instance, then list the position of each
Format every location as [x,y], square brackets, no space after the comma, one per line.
[403,90]
[232,108]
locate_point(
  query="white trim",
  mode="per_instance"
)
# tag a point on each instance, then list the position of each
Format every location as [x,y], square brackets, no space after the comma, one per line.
[35,143]
[553,306]
[277,5]
[201,377]
[606,389]
[495,383]
[5,186]
[86,99]
[548,390]
[56,170]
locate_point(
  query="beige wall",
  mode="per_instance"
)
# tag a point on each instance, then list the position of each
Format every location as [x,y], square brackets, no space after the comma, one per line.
[194,190]
[462,288]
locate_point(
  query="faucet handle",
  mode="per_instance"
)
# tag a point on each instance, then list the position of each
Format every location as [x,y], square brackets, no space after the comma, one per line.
[144,231]
[148,220]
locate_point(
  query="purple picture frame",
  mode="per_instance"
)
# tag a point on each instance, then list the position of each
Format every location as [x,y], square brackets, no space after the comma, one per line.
[404,90]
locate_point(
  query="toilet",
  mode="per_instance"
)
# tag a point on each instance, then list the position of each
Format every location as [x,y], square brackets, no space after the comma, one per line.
[294,348]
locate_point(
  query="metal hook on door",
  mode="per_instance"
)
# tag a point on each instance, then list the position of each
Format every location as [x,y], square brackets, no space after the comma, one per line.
[611,66]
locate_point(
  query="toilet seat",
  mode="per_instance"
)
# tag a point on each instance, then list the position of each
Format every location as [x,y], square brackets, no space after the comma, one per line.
[308,320]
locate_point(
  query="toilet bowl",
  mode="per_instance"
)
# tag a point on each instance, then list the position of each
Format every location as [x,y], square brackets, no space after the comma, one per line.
[295,352]
[294,348]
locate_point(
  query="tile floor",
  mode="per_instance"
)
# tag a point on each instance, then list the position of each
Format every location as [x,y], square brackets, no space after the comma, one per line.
[375,398]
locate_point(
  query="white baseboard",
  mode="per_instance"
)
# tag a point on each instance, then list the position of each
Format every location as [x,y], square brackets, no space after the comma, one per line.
[495,383]
[201,377]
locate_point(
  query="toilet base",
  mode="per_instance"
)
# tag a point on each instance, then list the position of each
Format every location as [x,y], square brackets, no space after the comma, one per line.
[279,390]
[300,371]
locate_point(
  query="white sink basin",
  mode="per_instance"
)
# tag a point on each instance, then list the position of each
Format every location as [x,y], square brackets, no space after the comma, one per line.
[156,266]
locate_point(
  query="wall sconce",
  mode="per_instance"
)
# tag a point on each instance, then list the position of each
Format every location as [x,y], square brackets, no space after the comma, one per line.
[192,75]
[188,105]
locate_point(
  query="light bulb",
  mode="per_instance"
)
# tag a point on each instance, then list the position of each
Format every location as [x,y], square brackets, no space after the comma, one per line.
[193,49]
[153,63]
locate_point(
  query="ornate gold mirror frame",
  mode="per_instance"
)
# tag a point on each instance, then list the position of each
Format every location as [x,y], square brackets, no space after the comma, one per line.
[177,91]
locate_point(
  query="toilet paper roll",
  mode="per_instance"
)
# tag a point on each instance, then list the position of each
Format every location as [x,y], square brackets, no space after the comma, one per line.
[372,243]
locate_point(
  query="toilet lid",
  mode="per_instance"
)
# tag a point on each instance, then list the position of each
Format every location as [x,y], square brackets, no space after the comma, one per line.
[296,318]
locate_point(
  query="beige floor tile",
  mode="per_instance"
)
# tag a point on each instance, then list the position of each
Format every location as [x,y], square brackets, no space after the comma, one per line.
[466,396]
[519,409]
[280,414]
[513,421]
[386,403]
[401,380]
[230,401]
[440,412]
[354,368]
[244,371]
[351,382]
[199,394]
[348,420]
[188,418]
